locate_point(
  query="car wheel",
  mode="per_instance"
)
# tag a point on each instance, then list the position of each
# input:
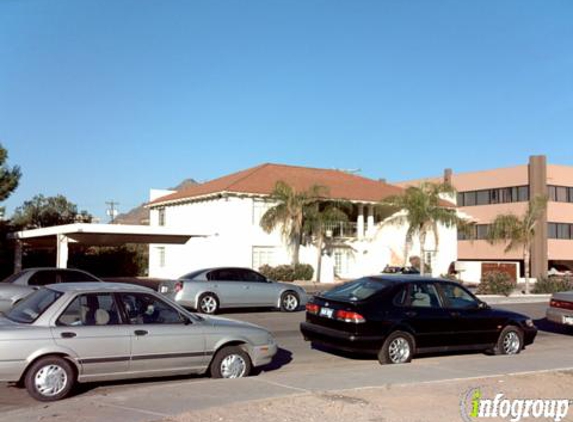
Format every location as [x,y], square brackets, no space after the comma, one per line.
[289,302]
[208,304]
[231,362]
[510,341]
[50,378]
[398,348]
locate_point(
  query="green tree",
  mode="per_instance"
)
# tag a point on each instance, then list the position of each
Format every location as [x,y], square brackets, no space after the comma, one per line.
[9,177]
[518,232]
[422,209]
[289,211]
[318,217]
[43,211]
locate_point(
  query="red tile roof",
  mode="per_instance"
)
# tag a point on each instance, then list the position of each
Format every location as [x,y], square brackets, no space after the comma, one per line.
[262,179]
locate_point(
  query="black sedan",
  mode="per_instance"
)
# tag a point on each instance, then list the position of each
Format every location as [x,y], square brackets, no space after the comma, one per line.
[396,317]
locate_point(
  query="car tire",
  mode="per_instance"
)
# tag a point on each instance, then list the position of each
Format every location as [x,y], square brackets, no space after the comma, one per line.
[290,301]
[510,341]
[50,379]
[208,304]
[398,348]
[231,362]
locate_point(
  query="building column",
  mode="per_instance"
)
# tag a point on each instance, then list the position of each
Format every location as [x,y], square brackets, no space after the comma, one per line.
[18,251]
[538,186]
[370,221]
[360,222]
[62,251]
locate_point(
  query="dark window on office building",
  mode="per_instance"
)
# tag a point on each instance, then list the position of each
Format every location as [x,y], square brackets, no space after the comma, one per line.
[493,196]
[560,231]
[560,193]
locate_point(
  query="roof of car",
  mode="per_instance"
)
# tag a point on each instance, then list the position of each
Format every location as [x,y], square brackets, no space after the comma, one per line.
[401,278]
[97,287]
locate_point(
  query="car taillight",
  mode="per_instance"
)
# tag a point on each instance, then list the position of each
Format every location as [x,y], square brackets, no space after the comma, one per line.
[312,308]
[561,304]
[349,316]
[178,287]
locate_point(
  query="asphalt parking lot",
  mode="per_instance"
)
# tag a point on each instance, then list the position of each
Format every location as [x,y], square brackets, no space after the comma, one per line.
[297,368]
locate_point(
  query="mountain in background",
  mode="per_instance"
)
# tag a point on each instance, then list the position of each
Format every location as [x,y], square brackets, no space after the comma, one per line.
[140,215]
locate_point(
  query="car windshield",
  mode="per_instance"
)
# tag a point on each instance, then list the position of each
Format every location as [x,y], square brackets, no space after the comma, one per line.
[30,309]
[359,289]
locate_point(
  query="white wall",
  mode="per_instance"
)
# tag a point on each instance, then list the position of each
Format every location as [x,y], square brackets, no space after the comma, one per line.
[231,220]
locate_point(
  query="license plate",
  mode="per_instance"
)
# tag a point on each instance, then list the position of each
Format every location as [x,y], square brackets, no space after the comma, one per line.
[568,320]
[164,289]
[326,312]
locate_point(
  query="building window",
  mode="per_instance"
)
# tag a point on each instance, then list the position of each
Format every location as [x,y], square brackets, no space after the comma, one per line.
[523,193]
[493,196]
[482,231]
[563,231]
[483,197]
[560,193]
[161,216]
[560,231]
[263,255]
[341,261]
[259,209]
[161,256]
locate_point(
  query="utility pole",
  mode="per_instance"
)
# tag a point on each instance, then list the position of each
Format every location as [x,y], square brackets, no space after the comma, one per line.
[112,210]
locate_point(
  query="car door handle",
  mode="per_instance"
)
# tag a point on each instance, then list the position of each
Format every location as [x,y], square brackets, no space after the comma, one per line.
[411,313]
[68,334]
[455,314]
[140,332]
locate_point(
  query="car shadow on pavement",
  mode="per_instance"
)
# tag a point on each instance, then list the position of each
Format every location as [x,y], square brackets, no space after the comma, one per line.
[282,358]
[342,353]
[543,324]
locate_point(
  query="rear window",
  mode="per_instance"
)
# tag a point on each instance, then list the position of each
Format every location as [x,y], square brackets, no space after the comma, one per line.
[360,289]
[13,277]
[34,305]
[191,275]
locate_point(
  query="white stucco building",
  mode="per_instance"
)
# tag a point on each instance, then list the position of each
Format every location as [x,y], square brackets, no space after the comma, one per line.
[230,208]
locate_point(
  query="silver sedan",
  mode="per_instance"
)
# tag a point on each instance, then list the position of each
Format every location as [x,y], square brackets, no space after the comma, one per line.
[19,285]
[560,310]
[211,289]
[68,333]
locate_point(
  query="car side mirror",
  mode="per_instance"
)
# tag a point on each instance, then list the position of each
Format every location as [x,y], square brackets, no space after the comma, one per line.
[483,305]
[270,280]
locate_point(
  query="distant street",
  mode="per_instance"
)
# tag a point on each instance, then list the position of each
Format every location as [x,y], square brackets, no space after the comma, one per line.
[297,368]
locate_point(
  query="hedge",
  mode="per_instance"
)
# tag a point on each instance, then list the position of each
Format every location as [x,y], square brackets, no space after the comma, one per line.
[288,272]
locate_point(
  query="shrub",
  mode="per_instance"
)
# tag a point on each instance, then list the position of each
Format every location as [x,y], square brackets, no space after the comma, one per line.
[287,272]
[496,283]
[553,284]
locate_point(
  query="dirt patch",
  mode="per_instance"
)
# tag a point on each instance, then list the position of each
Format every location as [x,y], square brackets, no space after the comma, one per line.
[423,402]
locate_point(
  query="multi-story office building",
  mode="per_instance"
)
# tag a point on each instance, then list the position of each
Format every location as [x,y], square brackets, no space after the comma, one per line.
[488,193]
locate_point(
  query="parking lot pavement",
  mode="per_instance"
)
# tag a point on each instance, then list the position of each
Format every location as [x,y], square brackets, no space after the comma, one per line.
[298,369]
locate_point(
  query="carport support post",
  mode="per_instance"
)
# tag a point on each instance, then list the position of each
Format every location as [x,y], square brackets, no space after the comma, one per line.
[18,256]
[62,251]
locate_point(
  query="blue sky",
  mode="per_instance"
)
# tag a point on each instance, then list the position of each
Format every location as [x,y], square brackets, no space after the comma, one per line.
[103,99]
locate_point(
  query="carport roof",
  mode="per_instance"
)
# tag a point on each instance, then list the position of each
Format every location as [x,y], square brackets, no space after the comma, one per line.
[104,234]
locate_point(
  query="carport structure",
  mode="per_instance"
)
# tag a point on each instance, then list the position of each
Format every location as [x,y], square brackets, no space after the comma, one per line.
[94,235]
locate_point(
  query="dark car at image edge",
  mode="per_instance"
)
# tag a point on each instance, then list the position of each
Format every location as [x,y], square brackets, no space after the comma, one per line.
[396,317]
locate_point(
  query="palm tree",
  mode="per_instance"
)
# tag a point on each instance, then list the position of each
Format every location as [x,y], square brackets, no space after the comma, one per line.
[421,208]
[518,233]
[289,213]
[317,218]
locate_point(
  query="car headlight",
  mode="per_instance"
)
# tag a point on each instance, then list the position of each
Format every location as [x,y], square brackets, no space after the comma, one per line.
[529,323]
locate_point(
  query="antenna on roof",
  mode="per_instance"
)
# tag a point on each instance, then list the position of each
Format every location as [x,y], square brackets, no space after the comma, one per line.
[351,171]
